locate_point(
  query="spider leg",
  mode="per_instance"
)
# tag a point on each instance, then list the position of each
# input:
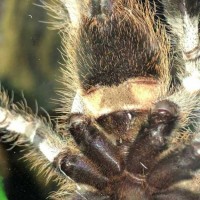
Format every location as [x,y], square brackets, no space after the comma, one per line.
[80,169]
[105,157]
[90,139]
[183,17]
[175,167]
[152,139]
[177,195]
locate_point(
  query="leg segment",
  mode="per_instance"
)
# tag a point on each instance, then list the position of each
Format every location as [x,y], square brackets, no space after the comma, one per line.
[175,167]
[95,145]
[80,169]
[152,139]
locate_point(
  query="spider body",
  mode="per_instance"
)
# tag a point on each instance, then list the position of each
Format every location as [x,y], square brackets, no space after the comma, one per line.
[133,129]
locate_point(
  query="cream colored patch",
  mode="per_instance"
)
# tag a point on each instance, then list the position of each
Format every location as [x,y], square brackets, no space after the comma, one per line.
[49,151]
[191,34]
[137,94]
[73,10]
[192,83]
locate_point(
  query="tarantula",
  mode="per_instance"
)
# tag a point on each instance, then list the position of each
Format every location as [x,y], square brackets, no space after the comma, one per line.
[130,104]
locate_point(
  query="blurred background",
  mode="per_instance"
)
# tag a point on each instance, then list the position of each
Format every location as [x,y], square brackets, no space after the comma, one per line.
[29,63]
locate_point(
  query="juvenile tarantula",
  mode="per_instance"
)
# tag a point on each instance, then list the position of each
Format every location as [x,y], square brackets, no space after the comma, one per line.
[133,128]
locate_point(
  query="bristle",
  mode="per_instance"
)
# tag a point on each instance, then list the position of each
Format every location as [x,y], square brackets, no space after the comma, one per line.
[21,127]
[189,106]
